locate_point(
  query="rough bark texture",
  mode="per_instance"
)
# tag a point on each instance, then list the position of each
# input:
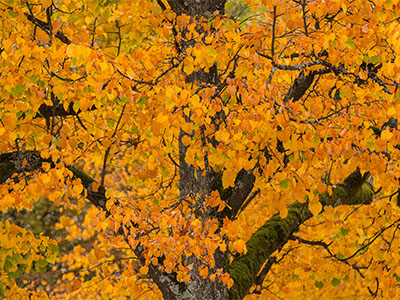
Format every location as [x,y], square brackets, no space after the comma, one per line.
[199,182]
[270,237]
[204,8]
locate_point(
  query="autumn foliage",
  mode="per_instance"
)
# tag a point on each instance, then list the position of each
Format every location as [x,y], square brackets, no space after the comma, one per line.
[199,149]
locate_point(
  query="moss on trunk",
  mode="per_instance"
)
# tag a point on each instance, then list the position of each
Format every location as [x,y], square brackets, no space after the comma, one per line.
[276,231]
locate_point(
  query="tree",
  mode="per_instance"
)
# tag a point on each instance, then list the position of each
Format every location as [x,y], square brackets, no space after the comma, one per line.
[199,149]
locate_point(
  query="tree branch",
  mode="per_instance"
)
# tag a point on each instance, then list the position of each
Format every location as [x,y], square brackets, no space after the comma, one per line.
[46,27]
[275,233]
[11,163]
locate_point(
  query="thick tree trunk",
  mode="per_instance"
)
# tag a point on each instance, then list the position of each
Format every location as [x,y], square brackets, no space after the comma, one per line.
[197,181]
[197,8]
[270,237]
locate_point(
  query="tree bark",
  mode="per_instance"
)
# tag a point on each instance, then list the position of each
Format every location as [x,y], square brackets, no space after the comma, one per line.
[275,233]
[272,236]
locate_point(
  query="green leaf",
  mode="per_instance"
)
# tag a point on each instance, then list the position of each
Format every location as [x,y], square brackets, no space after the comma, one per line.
[284,183]
[73,18]
[350,43]
[123,100]
[397,277]
[76,106]
[164,171]
[3,287]
[110,123]
[343,94]
[212,52]
[142,100]
[40,265]
[18,90]
[34,78]
[8,264]
[16,259]
[375,59]
[339,255]
[335,281]
[52,258]
[16,274]
[54,249]
[12,13]
[319,284]
[317,139]
[343,232]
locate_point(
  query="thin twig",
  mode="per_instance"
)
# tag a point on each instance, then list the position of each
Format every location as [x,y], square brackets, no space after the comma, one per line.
[103,172]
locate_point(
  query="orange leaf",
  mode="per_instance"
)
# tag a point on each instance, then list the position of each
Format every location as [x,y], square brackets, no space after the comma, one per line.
[144,270]
[214,201]
[239,246]
[203,271]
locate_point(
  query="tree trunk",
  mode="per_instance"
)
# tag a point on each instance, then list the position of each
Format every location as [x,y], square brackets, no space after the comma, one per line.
[270,237]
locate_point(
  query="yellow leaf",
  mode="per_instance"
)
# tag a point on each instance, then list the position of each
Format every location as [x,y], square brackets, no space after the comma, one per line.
[10,120]
[222,136]
[71,50]
[109,204]
[78,50]
[386,135]
[239,246]
[46,166]
[99,253]
[169,91]
[391,111]
[228,179]
[188,69]
[230,283]
[186,140]
[85,52]
[283,212]
[95,186]
[103,66]
[92,259]
[78,188]
[315,208]
[47,3]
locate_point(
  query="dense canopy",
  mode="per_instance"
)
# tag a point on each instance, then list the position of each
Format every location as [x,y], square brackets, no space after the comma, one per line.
[193,149]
